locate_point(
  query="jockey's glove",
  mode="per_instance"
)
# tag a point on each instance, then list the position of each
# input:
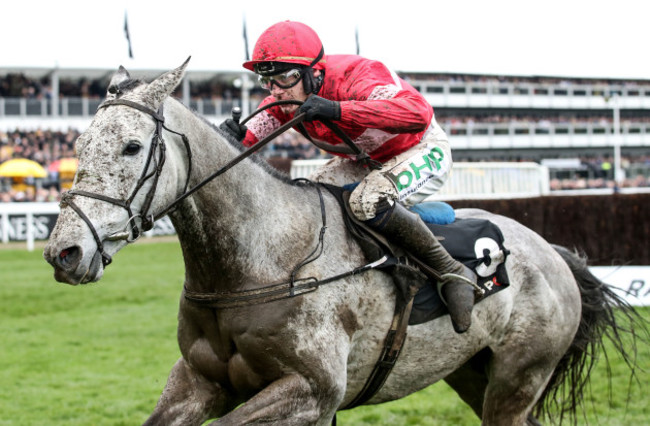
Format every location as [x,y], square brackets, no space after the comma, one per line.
[234,129]
[317,108]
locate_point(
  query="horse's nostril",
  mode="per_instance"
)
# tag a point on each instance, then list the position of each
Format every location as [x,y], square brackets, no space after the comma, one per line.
[68,258]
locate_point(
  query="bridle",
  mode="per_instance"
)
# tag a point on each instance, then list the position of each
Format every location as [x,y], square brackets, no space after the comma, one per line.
[156,155]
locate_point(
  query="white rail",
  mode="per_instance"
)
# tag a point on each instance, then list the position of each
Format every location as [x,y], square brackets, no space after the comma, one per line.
[474,180]
[495,180]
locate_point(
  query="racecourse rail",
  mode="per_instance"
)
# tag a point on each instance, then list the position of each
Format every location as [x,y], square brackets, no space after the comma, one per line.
[474,180]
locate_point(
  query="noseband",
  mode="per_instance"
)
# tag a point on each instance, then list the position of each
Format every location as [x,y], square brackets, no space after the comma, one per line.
[156,155]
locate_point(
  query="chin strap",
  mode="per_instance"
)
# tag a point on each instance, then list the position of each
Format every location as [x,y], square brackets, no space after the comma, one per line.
[311,84]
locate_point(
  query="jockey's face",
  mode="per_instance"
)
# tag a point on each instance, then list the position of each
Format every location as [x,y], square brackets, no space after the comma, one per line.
[296,92]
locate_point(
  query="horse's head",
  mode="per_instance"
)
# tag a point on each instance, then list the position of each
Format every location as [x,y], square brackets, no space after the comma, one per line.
[121,165]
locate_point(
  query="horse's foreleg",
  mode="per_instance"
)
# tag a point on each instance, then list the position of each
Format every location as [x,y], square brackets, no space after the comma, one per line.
[287,401]
[189,399]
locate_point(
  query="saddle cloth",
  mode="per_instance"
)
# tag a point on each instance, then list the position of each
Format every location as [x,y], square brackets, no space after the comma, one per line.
[478,243]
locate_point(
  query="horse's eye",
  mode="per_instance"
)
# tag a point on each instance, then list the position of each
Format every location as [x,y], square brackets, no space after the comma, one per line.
[132,148]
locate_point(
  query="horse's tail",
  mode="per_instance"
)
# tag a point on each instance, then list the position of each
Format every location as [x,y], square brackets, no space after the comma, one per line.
[604,314]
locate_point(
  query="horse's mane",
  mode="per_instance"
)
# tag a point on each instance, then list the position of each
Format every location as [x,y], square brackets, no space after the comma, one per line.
[258,159]
[131,83]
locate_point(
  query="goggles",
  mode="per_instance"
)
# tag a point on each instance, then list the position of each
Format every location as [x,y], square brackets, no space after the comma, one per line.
[285,80]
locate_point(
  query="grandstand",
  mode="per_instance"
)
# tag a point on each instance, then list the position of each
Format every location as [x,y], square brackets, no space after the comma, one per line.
[578,127]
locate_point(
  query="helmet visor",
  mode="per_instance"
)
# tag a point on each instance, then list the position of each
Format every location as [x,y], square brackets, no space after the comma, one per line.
[285,80]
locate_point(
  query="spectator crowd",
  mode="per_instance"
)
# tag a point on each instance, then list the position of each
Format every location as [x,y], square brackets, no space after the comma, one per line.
[46,146]
[18,85]
[222,85]
[43,147]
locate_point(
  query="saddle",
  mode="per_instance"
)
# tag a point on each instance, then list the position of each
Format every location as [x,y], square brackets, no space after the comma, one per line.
[477,243]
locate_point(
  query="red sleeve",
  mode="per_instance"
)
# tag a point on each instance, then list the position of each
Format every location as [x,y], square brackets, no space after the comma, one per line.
[250,139]
[403,113]
[263,123]
[377,98]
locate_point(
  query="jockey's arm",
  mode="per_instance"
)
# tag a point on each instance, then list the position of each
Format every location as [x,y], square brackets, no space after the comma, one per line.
[404,113]
[374,97]
[260,125]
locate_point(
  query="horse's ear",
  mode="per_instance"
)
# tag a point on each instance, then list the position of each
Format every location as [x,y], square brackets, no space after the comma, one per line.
[164,85]
[121,76]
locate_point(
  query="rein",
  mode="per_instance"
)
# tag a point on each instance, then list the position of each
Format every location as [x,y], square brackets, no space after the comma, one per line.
[297,120]
[131,230]
[293,122]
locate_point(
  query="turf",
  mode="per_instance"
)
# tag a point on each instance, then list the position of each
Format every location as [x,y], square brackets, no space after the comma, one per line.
[100,354]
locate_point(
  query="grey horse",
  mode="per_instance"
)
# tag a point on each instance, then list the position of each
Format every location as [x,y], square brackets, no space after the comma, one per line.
[297,360]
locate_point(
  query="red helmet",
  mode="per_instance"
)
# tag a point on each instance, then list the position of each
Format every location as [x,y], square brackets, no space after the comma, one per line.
[289,42]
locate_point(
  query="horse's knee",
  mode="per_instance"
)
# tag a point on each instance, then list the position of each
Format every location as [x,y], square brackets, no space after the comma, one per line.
[188,398]
[290,400]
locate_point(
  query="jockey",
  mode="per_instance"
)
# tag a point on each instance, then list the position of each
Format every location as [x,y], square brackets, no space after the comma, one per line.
[384,116]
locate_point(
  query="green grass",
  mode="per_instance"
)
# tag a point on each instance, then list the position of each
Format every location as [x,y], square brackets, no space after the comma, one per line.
[87,355]
[100,354]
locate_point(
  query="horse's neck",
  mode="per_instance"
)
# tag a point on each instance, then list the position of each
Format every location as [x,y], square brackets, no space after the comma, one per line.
[246,224]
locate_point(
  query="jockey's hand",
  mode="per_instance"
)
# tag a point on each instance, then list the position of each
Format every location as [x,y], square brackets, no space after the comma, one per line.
[234,129]
[317,108]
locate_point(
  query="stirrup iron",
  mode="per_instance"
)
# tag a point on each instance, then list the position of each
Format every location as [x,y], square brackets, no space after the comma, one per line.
[445,278]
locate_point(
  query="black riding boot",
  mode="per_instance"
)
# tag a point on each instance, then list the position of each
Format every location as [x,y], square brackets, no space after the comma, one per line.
[408,230]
